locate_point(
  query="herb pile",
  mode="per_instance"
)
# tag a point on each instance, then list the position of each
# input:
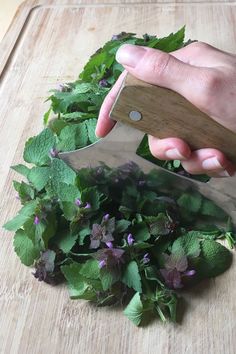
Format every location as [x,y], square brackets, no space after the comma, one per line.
[116,236]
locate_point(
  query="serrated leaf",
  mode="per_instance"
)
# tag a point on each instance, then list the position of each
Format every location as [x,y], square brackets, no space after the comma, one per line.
[37,149]
[90,269]
[131,277]
[61,172]
[140,232]
[65,240]
[134,310]
[189,242]
[190,201]
[76,284]
[25,248]
[21,169]
[67,192]
[23,215]
[39,177]
[91,125]
[122,225]
[214,259]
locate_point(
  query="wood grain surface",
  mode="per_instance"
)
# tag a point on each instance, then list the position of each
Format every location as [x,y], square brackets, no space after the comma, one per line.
[49,42]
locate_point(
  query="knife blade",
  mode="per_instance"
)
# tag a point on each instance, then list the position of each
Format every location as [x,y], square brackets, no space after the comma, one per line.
[142,108]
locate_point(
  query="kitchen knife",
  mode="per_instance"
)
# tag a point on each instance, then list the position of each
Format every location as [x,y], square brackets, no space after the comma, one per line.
[141,107]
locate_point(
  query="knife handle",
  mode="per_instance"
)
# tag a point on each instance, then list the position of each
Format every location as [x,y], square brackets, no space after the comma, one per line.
[164,113]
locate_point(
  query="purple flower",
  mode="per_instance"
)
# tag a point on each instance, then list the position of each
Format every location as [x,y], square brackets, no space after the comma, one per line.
[109,244]
[17,196]
[130,239]
[175,268]
[103,83]
[106,217]
[115,37]
[146,258]
[36,220]
[62,87]
[78,202]
[102,232]
[87,206]
[110,257]
[53,152]
[102,263]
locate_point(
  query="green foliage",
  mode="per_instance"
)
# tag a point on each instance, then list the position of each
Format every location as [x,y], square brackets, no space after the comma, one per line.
[113,234]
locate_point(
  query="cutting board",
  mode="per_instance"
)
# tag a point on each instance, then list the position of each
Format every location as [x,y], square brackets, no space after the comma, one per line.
[47,43]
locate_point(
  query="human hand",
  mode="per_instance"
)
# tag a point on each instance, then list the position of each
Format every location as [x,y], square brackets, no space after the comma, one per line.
[205,76]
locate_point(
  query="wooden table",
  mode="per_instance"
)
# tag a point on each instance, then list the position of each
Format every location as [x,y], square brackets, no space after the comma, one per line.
[49,42]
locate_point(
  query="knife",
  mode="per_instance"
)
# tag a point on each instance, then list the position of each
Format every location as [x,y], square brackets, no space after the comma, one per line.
[144,108]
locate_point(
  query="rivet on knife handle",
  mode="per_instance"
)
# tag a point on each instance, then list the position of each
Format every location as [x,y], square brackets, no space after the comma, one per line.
[164,113]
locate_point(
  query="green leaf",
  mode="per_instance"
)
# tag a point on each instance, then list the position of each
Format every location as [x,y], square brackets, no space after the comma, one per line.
[122,225]
[131,277]
[134,310]
[25,192]
[66,192]
[214,259]
[67,138]
[91,125]
[69,210]
[189,242]
[23,215]
[39,177]
[76,283]
[65,240]
[172,42]
[92,196]
[46,116]
[25,248]
[37,149]
[61,172]
[21,169]
[190,201]
[108,278]
[81,137]
[140,232]
[211,209]
[90,269]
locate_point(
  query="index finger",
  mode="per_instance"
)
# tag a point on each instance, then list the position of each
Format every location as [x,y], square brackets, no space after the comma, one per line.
[105,123]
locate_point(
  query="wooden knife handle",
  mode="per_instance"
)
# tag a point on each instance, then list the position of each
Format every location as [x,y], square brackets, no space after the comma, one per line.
[164,113]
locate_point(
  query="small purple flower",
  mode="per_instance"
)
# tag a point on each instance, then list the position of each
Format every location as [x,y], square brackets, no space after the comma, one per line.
[53,152]
[87,206]
[17,196]
[36,220]
[102,263]
[106,217]
[78,202]
[115,37]
[189,273]
[102,232]
[109,244]
[103,83]
[62,87]
[130,239]
[116,180]
[146,258]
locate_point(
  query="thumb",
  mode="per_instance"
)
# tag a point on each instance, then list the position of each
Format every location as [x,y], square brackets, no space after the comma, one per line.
[159,68]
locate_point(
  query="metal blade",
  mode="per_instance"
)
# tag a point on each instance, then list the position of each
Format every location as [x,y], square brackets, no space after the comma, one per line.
[119,147]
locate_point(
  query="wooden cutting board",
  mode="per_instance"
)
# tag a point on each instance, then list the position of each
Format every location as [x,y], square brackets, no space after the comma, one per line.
[49,42]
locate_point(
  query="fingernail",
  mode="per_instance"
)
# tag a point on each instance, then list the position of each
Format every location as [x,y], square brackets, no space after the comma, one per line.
[130,55]
[211,163]
[174,154]
[223,174]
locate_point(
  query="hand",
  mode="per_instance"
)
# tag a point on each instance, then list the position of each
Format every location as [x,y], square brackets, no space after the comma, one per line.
[205,76]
